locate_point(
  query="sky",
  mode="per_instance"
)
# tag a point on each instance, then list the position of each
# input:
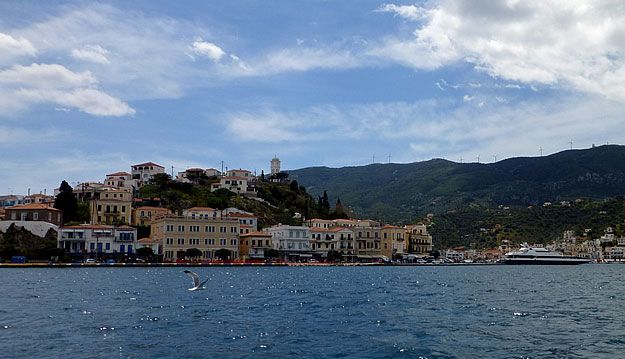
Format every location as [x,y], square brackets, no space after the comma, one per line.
[91,88]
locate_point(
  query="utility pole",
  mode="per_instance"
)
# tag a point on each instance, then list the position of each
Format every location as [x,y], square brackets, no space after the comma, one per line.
[478,158]
[460,159]
[389,157]
[373,159]
[172,172]
[541,151]
[495,156]
[571,143]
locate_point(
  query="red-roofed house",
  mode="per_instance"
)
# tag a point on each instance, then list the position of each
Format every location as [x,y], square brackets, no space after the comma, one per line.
[34,212]
[254,245]
[143,172]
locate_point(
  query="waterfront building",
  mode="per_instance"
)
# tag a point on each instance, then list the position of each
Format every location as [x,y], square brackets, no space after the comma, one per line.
[320,223]
[291,241]
[177,234]
[368,240]
[454,255]
[149,243]
[143,216]
[418,240]
[340,239]
[34,212]
[248,222]
[144,172]
[101,241]
[393,244]
[275,165]
[111,205]
[254,245]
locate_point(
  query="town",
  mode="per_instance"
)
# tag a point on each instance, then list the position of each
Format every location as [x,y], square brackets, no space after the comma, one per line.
[205,235]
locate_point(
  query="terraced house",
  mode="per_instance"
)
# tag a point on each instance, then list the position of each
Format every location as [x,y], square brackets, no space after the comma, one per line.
[178,234]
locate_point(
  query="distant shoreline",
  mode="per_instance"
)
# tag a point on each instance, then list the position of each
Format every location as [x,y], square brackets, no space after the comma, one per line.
[285,264]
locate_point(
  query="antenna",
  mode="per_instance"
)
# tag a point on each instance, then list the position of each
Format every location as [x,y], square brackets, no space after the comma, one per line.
[172,172]
[389,157]
[571,143]
[478,158]
[495,156]
[541,151]
[460,159]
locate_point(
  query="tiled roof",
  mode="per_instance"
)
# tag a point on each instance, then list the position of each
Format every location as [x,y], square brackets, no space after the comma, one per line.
[96,226]
[150,208]
[256,234]
[148,164]
[239,214]
[119,174]
[34,206]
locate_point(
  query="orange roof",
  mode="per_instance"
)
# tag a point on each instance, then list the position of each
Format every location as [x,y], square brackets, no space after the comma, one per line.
[96,226]
[388,226]
[239,214]
[195,169]
[119,174]
[150,208]
[255,234]
[239,170]
[147,241]
[34,206]
[234,177]
[148,164]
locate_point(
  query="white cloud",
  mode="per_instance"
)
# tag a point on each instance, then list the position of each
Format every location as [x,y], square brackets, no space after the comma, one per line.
[55,84]
[11,47]
[92,53]
[575,44]
[467,98]
[408,12]
[91,101]
[208,49]
[45,76]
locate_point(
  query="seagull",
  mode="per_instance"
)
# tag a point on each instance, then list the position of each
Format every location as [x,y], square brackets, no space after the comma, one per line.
[196,280]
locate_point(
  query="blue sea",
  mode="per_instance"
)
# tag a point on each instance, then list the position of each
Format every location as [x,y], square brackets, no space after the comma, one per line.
[315,312]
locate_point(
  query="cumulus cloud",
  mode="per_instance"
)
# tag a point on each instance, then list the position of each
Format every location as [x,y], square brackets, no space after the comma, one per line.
[11,47]
[55,84]
[208,49]
[45,75]
[575,44]
[408,12]
[91,53]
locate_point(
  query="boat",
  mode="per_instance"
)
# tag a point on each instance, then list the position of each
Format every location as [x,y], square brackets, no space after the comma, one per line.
[530,255]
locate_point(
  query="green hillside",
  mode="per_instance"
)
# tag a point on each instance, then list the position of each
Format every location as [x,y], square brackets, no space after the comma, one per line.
[403,192]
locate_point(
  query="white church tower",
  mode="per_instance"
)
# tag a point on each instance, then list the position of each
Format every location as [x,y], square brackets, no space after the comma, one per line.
[275,165]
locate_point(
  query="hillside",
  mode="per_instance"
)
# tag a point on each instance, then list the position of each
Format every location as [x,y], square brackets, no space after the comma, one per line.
[403,192]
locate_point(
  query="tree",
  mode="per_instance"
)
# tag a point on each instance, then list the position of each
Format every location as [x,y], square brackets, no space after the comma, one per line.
[272,253]
[193,253]
[262,176]
[223,254]
[334,256]
[66,202]
[325,203]
[294,186]
[145,252]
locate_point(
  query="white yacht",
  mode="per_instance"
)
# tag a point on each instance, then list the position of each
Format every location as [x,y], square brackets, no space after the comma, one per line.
[529,255]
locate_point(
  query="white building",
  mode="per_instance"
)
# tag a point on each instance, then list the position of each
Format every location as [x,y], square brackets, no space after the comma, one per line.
[143,173]
[119,179]
[98,240]
[293,242]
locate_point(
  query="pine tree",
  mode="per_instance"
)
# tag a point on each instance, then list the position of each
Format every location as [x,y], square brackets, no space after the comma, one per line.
[66,202]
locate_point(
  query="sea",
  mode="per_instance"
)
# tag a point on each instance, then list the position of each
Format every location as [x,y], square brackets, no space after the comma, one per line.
[492,311]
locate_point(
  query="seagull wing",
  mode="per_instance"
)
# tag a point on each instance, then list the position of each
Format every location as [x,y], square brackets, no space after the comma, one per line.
[195,277]
[204,282]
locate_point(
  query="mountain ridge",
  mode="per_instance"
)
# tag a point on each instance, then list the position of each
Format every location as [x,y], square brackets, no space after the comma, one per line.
[403,192]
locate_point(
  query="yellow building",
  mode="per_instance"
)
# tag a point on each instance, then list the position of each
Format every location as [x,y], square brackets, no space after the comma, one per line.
[111,205]
[368,241]
[253,245]
[392,243]
[178,234]
[143,216]
[418,239]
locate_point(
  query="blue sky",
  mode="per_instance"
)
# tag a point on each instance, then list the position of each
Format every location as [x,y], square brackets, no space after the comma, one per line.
[89,88]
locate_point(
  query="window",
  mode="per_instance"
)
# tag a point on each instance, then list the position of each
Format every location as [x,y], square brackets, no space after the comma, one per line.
[108,246]
[222,229]
[180,228]
[169,228]
[233,229]
[35,216]
[123,209]
[169,241]
[222,242]
[99,208]
[181,241]
[233,242]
